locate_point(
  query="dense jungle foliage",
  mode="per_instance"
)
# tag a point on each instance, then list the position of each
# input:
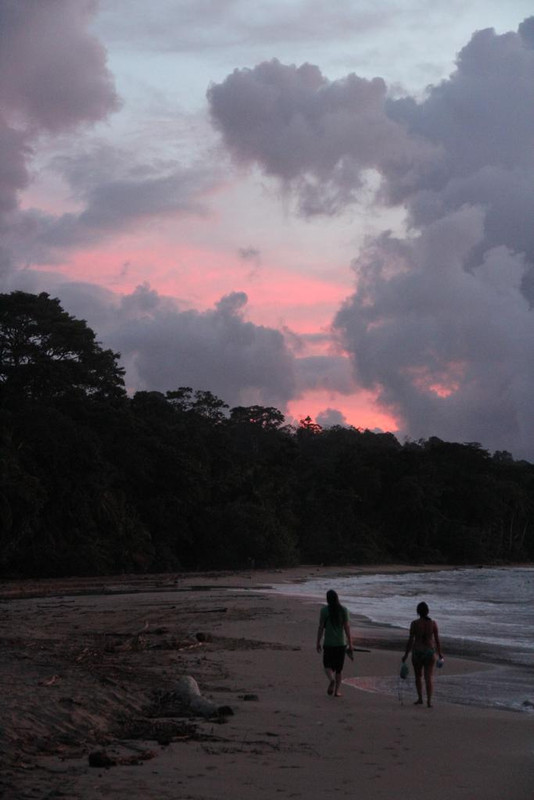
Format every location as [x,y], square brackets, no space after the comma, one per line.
[93,481]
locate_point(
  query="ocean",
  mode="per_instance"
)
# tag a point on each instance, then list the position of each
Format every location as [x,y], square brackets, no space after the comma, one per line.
[484,614]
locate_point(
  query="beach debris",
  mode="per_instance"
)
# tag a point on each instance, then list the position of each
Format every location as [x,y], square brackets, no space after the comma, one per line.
[249,697]
[187,689]
[101,759]
[162,731]
[186,701]
[145,639]
[50,681]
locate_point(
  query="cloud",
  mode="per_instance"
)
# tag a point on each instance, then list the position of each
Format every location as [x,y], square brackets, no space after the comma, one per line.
[329,372]
[250,254]
[14,152]
[318,136]
[441,324]
[113,192]
[331,417]
[448,350]
[200,25]
[53,78]
[164,346]
[482,119]
[53,72]
[124,200]
[216,349]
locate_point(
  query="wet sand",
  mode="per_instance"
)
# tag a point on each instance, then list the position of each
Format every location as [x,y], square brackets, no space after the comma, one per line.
[90,669]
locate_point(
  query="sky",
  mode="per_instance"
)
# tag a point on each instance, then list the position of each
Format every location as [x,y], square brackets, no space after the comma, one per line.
[322,207]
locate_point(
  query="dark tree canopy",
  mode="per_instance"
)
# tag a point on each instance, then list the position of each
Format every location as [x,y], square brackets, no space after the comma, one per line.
[45,353]
[268,418]
[92,481]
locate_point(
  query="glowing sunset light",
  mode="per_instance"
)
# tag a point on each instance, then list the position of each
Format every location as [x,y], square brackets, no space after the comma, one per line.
[358,410]
[201,277]
[302,303]
[443,382]
[443,391]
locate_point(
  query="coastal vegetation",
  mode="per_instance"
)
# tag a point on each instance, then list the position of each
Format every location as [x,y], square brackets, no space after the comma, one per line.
[94,481]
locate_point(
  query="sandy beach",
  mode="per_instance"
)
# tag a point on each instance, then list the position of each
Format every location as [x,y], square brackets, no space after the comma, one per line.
[90,670]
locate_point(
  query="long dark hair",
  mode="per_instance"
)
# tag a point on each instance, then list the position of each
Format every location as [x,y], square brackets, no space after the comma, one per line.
[423,610]
[428,626]
[335,613]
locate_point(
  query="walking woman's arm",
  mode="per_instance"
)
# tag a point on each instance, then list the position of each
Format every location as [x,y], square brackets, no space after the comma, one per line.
[348,634]
[409,643]
[320,631]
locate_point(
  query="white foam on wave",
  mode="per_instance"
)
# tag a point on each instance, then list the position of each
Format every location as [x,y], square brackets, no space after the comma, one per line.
[489,609]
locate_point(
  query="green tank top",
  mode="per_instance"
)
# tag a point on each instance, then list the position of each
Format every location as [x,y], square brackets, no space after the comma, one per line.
[333,636]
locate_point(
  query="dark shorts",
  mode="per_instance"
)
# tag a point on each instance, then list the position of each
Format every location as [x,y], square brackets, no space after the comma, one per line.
[423,658]
[334,658]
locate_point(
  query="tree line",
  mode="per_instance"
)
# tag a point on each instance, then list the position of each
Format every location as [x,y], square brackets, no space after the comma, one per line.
[93,481]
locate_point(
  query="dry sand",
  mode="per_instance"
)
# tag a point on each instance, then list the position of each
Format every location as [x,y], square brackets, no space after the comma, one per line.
[91,667]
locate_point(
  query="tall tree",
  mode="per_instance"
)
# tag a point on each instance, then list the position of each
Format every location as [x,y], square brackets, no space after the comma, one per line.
[46,354]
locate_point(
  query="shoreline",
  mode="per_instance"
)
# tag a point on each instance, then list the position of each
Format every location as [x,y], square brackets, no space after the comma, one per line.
[83,668]
[13,587]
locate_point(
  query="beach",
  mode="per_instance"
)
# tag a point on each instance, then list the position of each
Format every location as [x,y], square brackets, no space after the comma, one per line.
[90,705]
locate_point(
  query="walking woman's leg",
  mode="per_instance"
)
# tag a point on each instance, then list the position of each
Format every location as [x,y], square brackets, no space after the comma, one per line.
[418,670]
[429,682]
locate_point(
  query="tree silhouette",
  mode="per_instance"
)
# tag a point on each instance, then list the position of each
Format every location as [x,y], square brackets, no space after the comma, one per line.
[46,354]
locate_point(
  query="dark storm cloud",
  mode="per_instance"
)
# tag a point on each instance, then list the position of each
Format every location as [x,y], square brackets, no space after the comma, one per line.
[113,192]
[165,344]
[165,347]
[331,417]
[440,325]
[482,118]
[325,372]
[14,153]
[53,73]
[317,136]
[119,203]
[53,77]
[447,349]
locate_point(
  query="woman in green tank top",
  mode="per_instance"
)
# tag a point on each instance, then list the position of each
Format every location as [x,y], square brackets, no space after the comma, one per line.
[334,627]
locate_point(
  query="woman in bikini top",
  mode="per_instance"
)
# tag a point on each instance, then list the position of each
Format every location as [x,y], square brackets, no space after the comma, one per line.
[424,631]
[423,642]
